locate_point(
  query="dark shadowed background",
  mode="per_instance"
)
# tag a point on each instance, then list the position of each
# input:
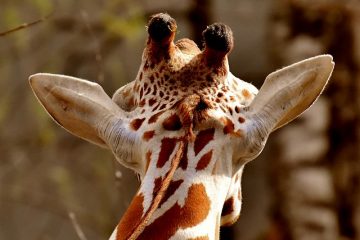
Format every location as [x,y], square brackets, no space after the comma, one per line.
[305,185]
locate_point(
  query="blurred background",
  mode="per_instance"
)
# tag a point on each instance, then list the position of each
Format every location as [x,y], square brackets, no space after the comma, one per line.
[305,185]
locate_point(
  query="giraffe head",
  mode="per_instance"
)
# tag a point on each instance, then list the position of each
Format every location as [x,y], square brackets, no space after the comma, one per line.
[185,124]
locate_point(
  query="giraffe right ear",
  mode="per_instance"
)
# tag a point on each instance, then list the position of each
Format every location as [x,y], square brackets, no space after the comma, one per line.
[80,106]
[284,95]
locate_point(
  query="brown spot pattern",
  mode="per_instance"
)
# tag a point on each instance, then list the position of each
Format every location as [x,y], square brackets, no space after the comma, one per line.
[246,93]
[163,106]
[194,211]
[142,103]
[172,123]
[141,92]
[152,101]
[155,117]
[202,139]
[204,161]
[136,123]
[131,217]
[148,91]
[148,159]
[241,120]
[167,147]
[157,185]
[184,160]
[131,101]
[148,135]
[174,185]
[228,207]
[229,126]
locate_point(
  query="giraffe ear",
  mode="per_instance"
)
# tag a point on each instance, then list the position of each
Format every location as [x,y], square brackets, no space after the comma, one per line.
[79,106]
[288,92]
[284,95]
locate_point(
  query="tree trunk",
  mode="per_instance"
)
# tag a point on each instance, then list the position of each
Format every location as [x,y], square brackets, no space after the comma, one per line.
[200,17]
[317,181]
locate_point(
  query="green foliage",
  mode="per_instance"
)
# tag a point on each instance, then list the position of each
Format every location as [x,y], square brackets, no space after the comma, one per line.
[11,16]
[130,28]
[43,6]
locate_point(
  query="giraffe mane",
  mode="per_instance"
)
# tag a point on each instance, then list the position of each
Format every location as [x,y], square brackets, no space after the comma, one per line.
[160,195]
[189,108]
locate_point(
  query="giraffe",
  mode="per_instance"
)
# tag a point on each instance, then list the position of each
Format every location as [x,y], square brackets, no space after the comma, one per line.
[186,125]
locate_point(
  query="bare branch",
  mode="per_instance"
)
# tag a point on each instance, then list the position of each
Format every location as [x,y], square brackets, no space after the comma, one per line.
[26,25]
[76,226]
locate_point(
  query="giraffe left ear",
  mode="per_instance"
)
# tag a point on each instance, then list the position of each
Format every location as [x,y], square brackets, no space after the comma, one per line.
[79,106]
[85,110]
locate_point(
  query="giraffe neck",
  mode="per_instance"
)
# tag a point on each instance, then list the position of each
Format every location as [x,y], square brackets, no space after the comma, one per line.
[186,180]
[183,202]
[180,107]
[133,232]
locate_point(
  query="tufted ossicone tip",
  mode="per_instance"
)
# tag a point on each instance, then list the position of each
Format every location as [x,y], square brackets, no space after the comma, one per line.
[162,28]
[219,41]
[218,37]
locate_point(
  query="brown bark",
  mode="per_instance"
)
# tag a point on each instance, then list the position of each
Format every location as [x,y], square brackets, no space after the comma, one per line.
[318,194]
[200,17]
